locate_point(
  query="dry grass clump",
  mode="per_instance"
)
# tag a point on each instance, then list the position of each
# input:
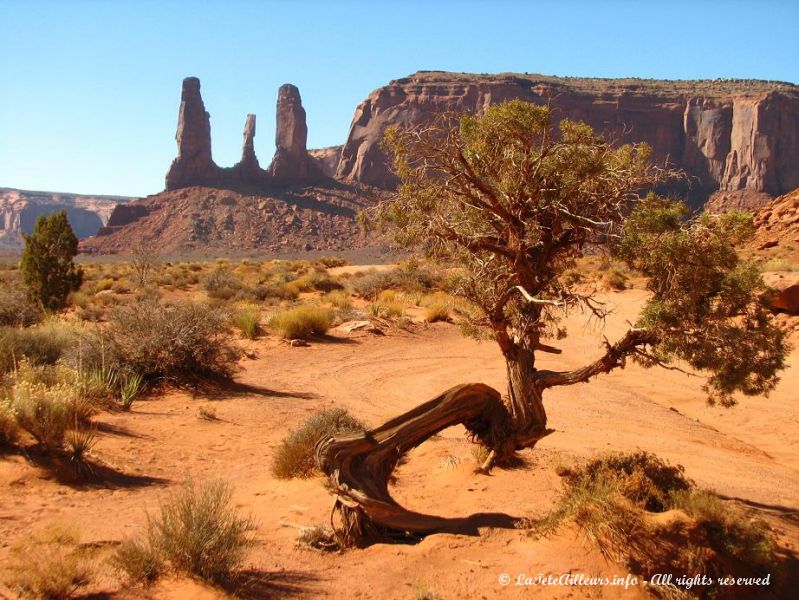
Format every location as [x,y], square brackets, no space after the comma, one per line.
[198,533]
[180,342]
[295,455]
[48,564]
[246,319]
[338,299]
[644,513]
[436,307]
[302,321]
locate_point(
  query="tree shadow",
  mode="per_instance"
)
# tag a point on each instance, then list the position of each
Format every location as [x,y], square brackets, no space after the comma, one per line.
[253,584]
[239,388]
[787,512]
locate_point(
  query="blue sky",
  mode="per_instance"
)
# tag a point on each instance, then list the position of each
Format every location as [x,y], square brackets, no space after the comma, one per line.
[89,90]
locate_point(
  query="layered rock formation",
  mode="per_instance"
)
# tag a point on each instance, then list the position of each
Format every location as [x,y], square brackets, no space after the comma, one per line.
[19,210]
[739,138]
[194,165]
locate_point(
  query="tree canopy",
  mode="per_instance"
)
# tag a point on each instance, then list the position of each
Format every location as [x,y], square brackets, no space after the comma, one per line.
[47,266]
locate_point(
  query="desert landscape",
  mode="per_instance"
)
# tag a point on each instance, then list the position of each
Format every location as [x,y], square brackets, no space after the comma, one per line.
[513,335]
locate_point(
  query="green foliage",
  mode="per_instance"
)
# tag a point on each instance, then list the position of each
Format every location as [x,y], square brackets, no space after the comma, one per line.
[47,267]
[302,321]
[246,319]
[129,390]
[704,307]
[295,455]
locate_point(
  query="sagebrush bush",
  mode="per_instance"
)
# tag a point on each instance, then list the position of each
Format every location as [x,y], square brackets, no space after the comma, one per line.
[48,564]
[44,411]
[198,532]
[222,284]
[182,342]
[302,321]
[410,277]
[295,455]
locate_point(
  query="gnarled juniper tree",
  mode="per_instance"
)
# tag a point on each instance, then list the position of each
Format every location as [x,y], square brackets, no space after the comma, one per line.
[513,201]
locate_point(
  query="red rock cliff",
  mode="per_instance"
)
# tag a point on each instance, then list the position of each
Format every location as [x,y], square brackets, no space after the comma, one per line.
[736,137]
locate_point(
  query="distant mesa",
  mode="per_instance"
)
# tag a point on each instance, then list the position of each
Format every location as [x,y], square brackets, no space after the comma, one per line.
[194,164]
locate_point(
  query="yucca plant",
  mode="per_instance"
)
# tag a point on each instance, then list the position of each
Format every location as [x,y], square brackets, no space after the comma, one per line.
[130,388]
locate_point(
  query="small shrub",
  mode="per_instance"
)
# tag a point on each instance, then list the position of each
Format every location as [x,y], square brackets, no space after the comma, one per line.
[221,284]
[181,341]
[9,430]
[129,390]
[43,411]
[138,561]
[338,298]
[616,280]
[246,320]
[302,321]
[386,310]
[48,564]
[200,533]
[436,311]
[43,344]
[79,443]
[330,262]
[16,308]
[295,455]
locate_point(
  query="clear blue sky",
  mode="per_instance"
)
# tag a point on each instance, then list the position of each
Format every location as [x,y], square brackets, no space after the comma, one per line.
[89,90]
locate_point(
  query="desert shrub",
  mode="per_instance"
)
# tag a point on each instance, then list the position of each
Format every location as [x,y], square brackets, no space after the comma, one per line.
[612,499]
[436,307]
[338,298]
[386,310]
[295,455]
[409,277]
[79,443]
[48,564]
[16,308]
[9,430]
[615,279]
[222,284]
[43,411]
[246,319]
[138,561]
[43,344]
[200,533]
[729,531]
[181,341]
[302,321]
[330,262]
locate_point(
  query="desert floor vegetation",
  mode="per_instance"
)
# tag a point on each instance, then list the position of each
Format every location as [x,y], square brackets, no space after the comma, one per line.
[104,411]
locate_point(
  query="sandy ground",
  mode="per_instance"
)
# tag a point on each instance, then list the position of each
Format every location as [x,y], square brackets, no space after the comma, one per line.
[749,453]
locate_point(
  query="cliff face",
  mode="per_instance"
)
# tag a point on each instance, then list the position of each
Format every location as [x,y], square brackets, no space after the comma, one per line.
[738,138]
[19,210]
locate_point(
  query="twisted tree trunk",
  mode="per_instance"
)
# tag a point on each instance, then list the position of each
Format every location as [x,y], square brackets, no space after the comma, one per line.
[359,466]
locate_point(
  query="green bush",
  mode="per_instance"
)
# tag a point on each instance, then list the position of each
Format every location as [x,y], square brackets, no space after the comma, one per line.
[295,455]
[47,266]
[302,321]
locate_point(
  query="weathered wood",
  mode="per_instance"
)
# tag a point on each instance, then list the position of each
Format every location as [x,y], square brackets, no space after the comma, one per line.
[359,466]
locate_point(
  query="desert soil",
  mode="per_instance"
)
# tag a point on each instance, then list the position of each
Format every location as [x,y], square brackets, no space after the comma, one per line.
[749,453]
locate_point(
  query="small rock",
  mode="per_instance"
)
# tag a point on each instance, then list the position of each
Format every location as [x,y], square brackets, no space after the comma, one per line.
[298,343]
